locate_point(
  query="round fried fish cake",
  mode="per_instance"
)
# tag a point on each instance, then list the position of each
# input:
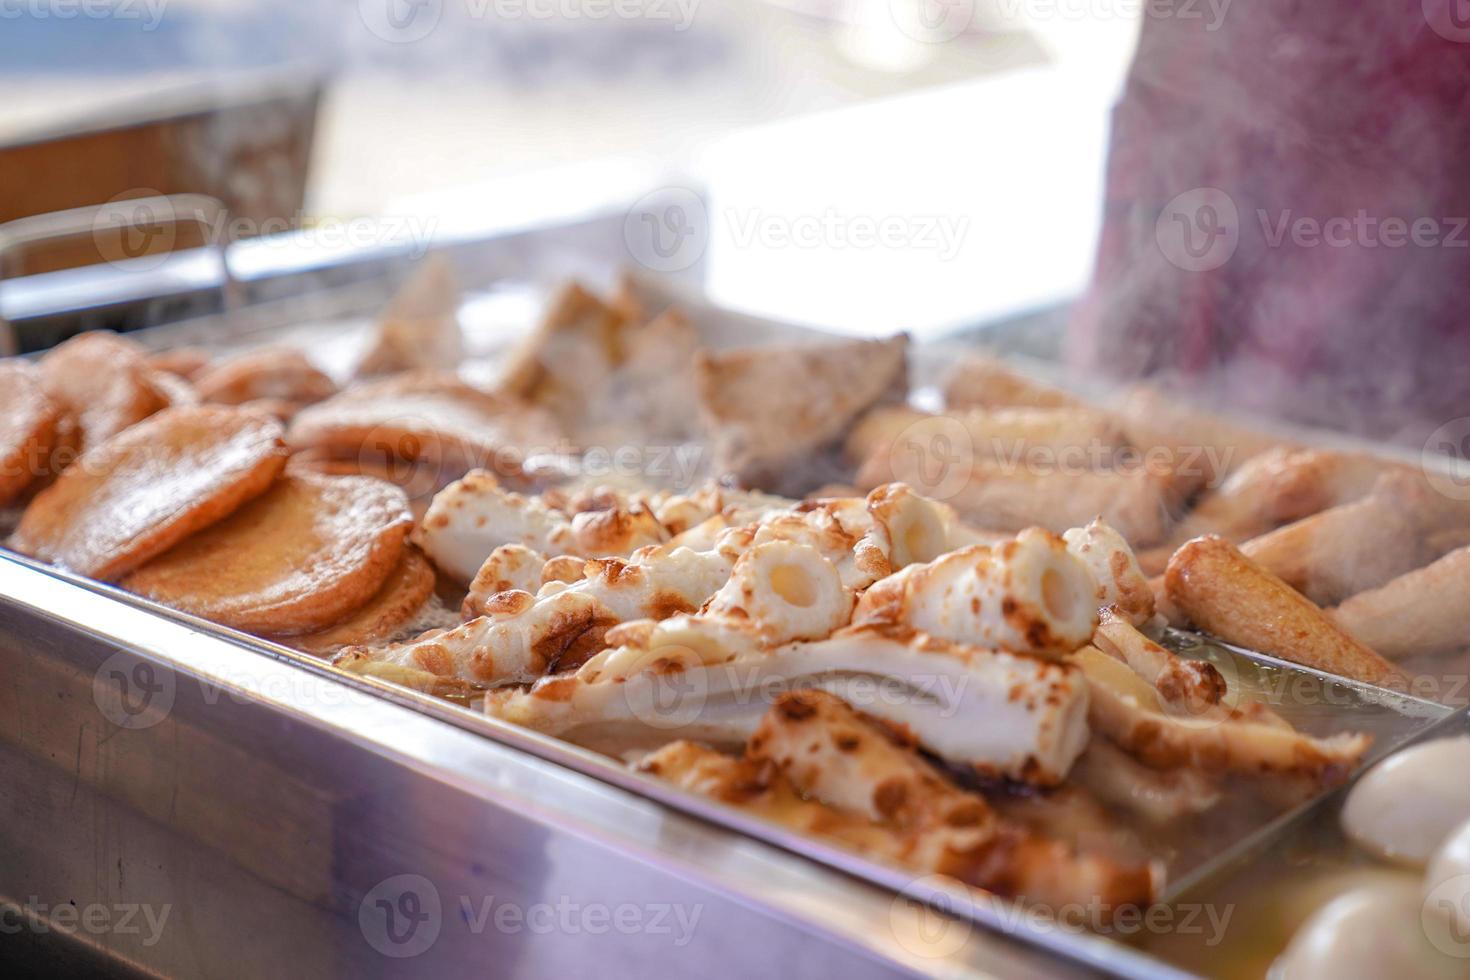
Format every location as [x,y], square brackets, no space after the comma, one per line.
[146,489]
[281,409]
[177,390]
[394,606]
[280,374]
[430,418]
[299,558]
[184,362]
[29,428]
[418,480]
[105,381]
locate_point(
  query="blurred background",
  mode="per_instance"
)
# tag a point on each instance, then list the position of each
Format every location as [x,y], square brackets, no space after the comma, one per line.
[864,165]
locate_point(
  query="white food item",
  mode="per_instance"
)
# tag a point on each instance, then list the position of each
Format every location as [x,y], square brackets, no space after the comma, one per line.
[1371,933]
[1028,595]
[788,591]
[470,518]
[1003,714]
[1447,892]
[510,566]
[1121,584]
[519,636]
[473,516]
[1403,808]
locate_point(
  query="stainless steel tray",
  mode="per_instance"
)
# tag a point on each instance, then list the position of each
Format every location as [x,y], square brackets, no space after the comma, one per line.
[288,815]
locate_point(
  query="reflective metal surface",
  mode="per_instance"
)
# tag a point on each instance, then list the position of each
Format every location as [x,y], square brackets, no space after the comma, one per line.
[211,804]
[207,810]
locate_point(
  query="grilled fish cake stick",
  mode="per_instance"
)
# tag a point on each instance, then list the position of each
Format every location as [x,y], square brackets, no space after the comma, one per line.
[1346,549]
[1223,592]
[1421,612]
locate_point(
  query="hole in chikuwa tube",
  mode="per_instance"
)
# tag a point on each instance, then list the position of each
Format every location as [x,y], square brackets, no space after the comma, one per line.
[794,585]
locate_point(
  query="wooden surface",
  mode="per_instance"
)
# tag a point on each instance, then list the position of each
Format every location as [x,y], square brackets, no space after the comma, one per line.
[250,149]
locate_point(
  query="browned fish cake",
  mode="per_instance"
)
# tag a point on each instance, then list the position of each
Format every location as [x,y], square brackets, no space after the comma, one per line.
[279,374]
[29,421]
[419,482]
[278,407]
[174,388]
[141,492]
[297,559]
[395,605]
[185,362]
[105,381]
[770,411]
[426,417]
